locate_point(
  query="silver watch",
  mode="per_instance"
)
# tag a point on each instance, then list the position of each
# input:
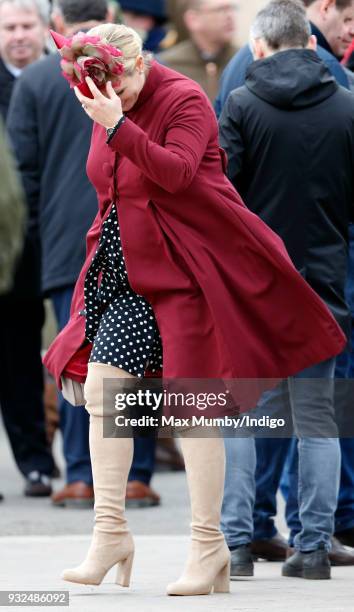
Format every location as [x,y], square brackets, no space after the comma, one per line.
[109,131]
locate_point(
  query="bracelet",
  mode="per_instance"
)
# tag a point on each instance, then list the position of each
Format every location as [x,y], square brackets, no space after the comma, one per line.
[111,131]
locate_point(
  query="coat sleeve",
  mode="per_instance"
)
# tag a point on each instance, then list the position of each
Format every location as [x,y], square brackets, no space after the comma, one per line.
[173,165]
[233,76]
[23,131]
[230,134]
[12,215]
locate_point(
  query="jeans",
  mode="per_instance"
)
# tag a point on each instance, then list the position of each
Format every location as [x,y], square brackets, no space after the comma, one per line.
[143,460]
[74,420]
[272,455]
[344,517]
[319,463]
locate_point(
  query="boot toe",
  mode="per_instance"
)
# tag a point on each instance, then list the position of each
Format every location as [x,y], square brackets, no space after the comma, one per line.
[175,588]
[73,575]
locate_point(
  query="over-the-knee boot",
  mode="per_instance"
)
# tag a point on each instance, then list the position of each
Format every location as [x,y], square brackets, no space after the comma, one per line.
[111,458]
[208,564]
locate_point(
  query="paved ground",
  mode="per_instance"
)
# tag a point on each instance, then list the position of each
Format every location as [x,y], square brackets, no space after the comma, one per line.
[38,541]
[36,562]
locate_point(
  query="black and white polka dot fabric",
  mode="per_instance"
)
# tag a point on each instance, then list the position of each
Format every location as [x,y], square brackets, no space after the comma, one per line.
[120,323]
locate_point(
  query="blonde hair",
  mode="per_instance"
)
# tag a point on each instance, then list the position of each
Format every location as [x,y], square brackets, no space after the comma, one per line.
[123,38]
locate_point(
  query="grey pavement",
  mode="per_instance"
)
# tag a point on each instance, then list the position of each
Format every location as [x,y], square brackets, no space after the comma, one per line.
[38,541]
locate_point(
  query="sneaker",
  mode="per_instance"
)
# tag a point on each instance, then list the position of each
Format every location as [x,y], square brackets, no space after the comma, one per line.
[37,485]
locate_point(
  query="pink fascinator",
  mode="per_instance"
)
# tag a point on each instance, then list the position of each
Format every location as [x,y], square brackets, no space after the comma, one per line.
[84,56]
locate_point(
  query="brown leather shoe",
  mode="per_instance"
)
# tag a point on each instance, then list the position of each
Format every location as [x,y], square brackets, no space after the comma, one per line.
[274,549]
[74,495]
[140,495]
[168,458]
[346,537]
[338,555]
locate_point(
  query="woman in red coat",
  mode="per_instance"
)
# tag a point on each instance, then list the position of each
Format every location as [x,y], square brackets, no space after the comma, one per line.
[188,269]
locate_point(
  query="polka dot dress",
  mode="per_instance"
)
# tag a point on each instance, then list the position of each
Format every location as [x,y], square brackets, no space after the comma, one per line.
[119,322]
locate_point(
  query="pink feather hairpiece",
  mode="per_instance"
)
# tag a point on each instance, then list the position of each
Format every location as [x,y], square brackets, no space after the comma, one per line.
[84,56]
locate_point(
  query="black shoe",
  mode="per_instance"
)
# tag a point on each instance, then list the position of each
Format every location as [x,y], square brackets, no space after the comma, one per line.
[37,485]
[241,562]
[346,537]
[273,549]
[313,566]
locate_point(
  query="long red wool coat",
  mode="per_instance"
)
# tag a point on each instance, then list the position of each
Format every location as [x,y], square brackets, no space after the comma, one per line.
[227,299]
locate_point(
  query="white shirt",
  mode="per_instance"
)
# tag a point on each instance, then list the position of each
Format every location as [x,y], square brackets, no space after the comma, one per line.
[13,69]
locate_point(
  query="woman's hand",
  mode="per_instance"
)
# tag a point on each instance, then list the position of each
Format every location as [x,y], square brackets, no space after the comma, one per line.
[105,110]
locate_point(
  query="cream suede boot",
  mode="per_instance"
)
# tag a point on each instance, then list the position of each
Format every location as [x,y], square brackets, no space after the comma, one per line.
[112,543]
[208,564]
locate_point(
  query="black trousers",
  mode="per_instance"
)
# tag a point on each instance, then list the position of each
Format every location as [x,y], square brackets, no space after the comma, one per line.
[21,382]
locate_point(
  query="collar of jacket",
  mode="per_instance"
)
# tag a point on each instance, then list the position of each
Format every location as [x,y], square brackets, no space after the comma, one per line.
[5,71]
[321,40]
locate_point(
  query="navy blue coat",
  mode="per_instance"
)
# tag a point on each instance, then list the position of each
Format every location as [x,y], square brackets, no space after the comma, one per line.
[51,137]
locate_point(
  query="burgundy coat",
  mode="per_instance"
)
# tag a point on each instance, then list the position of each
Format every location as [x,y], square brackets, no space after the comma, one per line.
[227,299]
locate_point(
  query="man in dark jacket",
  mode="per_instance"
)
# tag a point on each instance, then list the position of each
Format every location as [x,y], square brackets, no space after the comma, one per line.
[332,23]
[288,133]
[23,31]
[51,140]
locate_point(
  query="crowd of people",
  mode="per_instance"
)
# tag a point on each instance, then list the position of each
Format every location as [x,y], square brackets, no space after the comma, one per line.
[285,107]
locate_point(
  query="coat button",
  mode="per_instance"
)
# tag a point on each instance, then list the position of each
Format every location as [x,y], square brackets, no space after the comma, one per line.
[107,169]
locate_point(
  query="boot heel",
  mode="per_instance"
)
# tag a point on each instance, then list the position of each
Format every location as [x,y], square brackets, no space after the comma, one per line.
[222,580]
[124,570]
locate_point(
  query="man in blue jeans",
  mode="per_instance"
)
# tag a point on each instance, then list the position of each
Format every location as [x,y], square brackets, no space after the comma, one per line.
[344,529]
[281,134]
[344,516]
[272,453]
[74,424]
[309,396]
